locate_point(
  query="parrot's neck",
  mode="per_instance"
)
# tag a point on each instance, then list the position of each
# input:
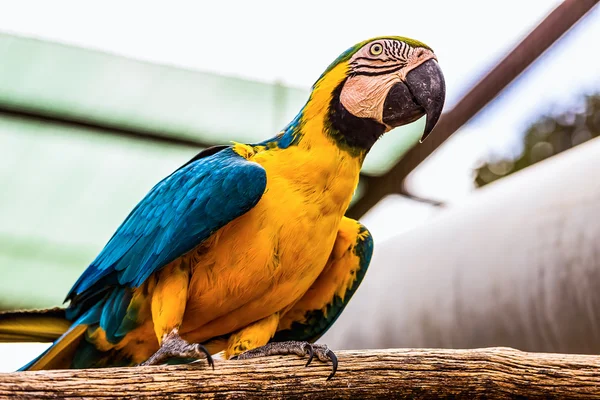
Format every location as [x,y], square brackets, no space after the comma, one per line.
[310,157]
[355,135]
[320,172]
[322,149]
[324,121]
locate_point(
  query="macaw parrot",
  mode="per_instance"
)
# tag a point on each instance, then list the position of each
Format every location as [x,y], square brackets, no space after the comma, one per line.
[245,248]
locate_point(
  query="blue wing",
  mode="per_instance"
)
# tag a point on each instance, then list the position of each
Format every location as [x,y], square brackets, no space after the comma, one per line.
[178,214]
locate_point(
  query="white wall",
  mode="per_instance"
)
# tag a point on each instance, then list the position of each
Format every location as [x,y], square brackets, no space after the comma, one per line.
[517,264]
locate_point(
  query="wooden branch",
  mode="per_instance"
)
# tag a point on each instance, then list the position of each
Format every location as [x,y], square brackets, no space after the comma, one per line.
[494,373]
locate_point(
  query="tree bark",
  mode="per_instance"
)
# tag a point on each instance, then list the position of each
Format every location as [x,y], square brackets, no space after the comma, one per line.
[493,373]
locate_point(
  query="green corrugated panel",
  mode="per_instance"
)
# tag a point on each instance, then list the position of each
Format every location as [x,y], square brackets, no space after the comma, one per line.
[63,192]
[70,81]
[84,83]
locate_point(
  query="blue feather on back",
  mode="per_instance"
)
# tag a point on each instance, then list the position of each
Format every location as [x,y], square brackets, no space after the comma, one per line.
[178,214]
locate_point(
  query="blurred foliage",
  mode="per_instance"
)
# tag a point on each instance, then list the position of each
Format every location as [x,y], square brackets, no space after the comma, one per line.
[547,137]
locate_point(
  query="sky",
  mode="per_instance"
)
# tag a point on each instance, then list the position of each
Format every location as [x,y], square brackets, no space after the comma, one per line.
[292,43]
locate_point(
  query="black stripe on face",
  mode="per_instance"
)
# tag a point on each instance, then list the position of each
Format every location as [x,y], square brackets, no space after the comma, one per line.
[373,59]
[405,50]
[397,50]
[400,50]
[388,65]
[386,49]
[380,72]
[395,53]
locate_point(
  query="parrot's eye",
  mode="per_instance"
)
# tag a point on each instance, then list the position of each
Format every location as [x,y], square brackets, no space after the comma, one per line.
[376,49]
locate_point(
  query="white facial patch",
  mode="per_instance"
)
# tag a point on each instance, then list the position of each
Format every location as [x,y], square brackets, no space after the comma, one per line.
[375,68]
[364,96]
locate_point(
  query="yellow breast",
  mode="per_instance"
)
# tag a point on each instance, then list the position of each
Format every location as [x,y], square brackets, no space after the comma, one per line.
[267,259]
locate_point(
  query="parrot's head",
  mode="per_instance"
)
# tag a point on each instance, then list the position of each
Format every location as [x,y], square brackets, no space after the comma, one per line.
[380,84]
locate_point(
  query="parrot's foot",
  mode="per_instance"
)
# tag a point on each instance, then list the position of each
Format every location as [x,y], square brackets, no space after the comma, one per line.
[174,347]
[321,351]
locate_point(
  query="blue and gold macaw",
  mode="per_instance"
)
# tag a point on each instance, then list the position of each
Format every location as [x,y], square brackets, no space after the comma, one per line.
[245,248]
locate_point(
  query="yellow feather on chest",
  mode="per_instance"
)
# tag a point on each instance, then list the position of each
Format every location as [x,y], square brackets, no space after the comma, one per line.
[267,259]
[263,262]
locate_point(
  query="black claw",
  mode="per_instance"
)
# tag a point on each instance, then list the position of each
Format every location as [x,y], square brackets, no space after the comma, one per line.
[311,353]
[334,361]
[209,358]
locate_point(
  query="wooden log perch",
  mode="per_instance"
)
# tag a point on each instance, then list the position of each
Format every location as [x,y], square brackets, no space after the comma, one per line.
[494,373]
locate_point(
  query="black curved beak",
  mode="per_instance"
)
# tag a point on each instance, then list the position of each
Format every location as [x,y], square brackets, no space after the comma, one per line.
[423,93]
